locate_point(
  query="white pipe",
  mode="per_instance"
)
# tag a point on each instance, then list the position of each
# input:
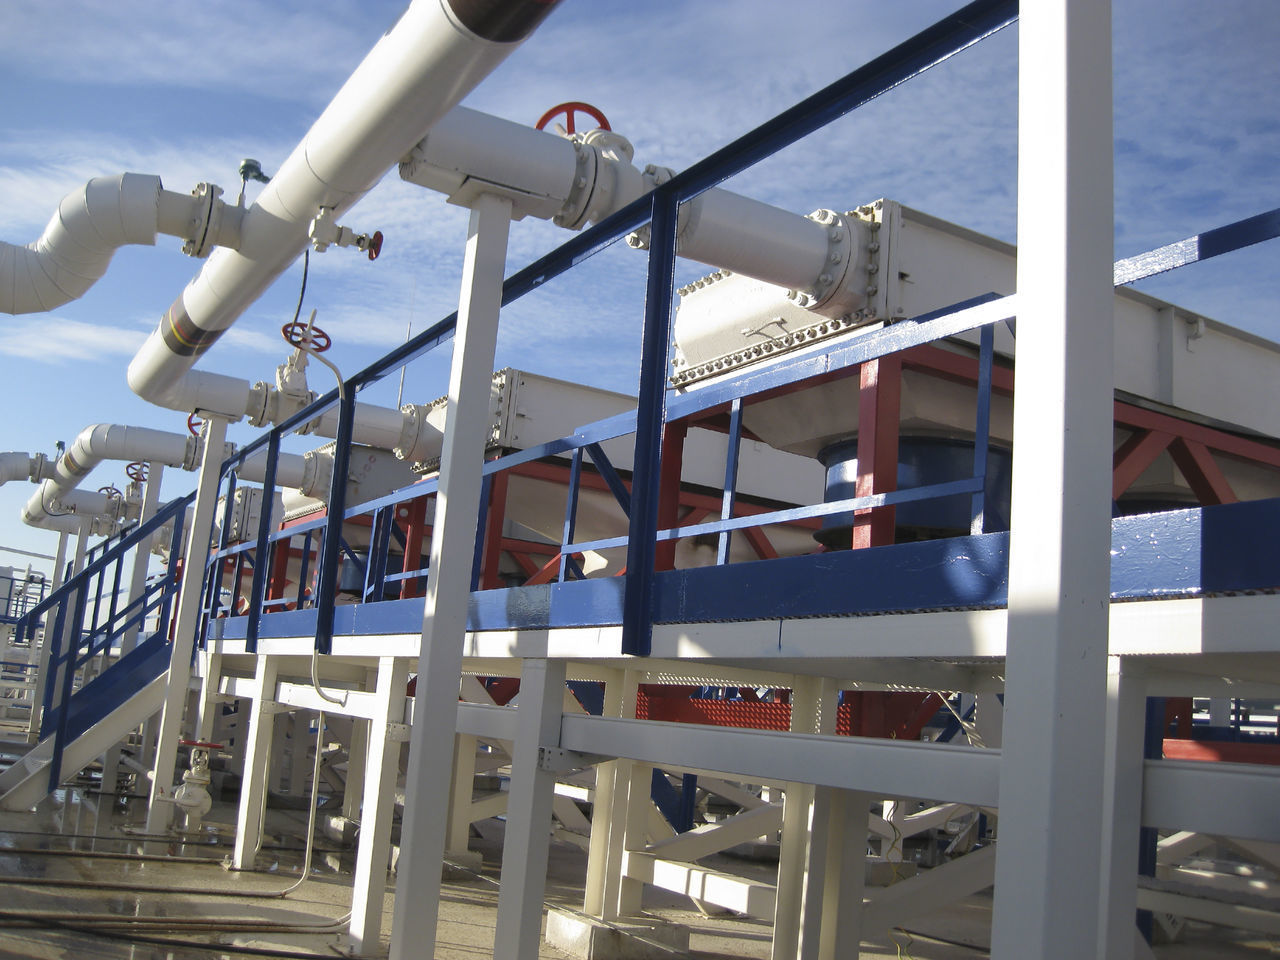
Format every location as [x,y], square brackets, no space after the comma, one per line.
[291,469]
[16,466]
[70,510]
[426,63]
[583,181]
[112,441]
[90,224]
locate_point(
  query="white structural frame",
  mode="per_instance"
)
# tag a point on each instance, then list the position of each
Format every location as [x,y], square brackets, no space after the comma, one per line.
[1060,539]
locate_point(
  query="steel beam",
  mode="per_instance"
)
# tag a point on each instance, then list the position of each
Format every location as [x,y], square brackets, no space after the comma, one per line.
[453,540]
[1046,903]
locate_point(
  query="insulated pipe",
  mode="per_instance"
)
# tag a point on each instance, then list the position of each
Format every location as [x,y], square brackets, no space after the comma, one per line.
[581,181]
[16,466]
[112,441]
[291,469]
[91,223]
[426,63]
[67,513]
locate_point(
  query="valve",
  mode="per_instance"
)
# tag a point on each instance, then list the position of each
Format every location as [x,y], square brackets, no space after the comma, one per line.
[192,798]
[137,471]
[111,491]
[570,109]
[299,334]
[194,423]
[324,230]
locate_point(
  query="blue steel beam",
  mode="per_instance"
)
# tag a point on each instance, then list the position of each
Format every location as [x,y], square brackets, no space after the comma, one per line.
[1203,246]
[650,417]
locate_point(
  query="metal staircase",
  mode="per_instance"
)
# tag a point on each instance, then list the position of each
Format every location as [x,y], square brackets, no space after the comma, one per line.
[102,674]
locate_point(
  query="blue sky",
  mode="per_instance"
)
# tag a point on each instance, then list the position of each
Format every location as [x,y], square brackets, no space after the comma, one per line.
[185,91]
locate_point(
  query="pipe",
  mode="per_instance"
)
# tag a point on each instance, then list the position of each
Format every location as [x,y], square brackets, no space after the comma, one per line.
[17,466]
[92,222]
[112,441]
[74,510]
[581,180]
[425,64]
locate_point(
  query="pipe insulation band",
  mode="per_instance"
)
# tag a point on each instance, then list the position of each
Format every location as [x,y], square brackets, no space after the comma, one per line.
[415,73]
[77,245]
[502,21]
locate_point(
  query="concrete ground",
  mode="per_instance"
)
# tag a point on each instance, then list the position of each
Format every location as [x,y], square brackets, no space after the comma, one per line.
[66,892]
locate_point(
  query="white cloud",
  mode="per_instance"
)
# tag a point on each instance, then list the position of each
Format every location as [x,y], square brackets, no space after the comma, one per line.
[56,341]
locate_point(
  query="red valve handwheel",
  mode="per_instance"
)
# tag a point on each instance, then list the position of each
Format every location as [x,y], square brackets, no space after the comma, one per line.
[136,471]
[111,491]
[194,423]
[295,332]
[570,109]
[375,245]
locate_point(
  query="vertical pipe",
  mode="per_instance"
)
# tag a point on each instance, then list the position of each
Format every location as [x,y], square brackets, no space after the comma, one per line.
[637,612]
[445,606]
[1060,539]
[187,621]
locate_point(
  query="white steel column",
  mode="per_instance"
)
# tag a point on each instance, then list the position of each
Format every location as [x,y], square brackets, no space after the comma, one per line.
[1046,900]
[812,711]
[1122,801]
[524,849]
[187,619]
[369,886]
[464,778]
[608,808]
[836,876]
[42,674]
[142,558]
[448,585]
[261,715]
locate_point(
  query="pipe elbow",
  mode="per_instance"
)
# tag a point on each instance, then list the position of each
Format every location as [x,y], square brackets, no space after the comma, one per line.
[74,251]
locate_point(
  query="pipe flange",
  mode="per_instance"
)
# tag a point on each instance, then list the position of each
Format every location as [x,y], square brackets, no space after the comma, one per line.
[654,177]
[207,223]
[572,215]
[841,288]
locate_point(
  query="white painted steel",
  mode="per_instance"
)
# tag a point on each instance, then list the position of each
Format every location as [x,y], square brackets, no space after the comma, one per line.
[186,622]
[444,622]
[1122,806]
[1224,799]
[886,767]
[419,69]
[382,763]
[91,223]
[142,552]
[1052,756]
[835,876]
[527,841]
[253,788]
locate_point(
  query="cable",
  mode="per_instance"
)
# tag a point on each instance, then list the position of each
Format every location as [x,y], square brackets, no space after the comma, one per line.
[315,800]
[306,268]
[315,676]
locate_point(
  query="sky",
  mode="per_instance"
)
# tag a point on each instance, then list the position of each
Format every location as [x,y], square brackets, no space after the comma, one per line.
[100,87]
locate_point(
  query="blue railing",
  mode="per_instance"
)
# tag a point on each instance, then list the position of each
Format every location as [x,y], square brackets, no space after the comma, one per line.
[88,617]
[19,593]
[324,550]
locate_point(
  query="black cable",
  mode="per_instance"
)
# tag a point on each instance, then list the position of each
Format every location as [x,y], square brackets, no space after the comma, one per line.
[306,267]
